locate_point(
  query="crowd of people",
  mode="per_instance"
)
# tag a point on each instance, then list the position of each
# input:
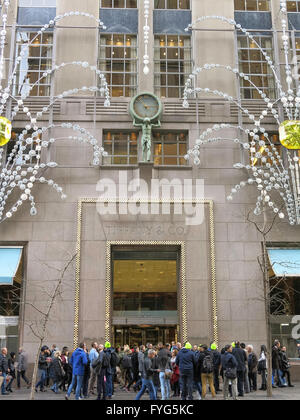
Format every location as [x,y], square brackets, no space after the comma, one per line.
[163,371]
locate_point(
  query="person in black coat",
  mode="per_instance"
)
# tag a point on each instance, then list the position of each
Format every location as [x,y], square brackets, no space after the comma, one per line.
[12,371]
[241,359]
[57,371]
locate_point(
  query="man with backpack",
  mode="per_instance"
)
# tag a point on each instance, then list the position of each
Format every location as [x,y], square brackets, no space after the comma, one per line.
[207,372]
[229,365]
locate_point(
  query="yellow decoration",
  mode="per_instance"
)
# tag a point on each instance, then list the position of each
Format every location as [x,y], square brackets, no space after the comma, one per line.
[5,131]
[289,134]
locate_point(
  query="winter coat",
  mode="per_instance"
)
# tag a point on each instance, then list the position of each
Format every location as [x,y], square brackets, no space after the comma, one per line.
[186,361]
[228,361]
[22,362]
[3,364]
[43,365]
[78,362]
[11,367]
[284,362]
[275,358]
[163,359]
[216,359]
[252,363]
[57,370]
[241,358]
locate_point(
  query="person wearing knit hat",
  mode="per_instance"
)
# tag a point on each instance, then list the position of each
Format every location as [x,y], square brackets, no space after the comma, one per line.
[186,361]
[188,346]
[107,345]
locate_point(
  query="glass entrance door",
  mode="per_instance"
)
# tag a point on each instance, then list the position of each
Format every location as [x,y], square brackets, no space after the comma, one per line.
[137,335]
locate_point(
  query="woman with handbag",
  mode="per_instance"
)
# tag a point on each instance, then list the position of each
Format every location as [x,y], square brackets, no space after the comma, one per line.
[262,367]
[229,365]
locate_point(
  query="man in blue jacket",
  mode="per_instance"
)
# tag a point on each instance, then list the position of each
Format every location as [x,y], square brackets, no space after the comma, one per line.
[187,362]
[78,362]
[229,362]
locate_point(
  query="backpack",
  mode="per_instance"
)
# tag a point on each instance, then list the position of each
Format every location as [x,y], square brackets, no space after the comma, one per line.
[126,362]
[105,361]
[114,360]
[208,366]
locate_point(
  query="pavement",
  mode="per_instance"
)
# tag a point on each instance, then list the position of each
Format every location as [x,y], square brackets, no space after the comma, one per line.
[282,394]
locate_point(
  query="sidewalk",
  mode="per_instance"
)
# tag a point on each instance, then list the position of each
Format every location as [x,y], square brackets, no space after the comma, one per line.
[278,394]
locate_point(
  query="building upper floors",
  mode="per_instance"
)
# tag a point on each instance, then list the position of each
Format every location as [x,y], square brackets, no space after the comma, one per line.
[119,51]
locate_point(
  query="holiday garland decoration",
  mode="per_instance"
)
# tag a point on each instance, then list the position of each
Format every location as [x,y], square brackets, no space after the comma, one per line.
[18,175]
[277,179]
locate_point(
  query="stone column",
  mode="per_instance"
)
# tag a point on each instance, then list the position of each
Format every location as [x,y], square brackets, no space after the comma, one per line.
[145,82]
[73,44]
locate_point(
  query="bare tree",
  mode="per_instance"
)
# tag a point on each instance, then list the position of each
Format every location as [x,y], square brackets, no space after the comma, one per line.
[39,328]
[277,292]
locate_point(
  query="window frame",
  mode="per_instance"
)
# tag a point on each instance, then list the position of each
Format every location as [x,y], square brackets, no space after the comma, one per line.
[177,8]
[113,5]
[45,83]
[246,4]
[112,156]
[163,156]
[109,62]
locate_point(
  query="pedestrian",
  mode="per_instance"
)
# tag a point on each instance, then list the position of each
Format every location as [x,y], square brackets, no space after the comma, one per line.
[86,376]
[58,371]
[241,359]
[276,366]
[78,362]
[4,370]
[93,355]
[285,365]
[42,369]
[229,365]
[100,365]
[252,368]
[207,372]
[141,357]
[165,371]
[199,356]
[217,365]
[246,376]
[187,362]
[147,376]
[262,367]
[22,368]
[12,371]
[67,379]
[127,366]
[175,375]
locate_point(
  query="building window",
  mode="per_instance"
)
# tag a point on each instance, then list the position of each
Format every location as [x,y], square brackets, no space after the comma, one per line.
[263,155]
[253,5]
[118,61]
[170,148]
[122,148]
[173,64]
[253,64]
[119,4]
[36,60]
[293,6]
[172,4]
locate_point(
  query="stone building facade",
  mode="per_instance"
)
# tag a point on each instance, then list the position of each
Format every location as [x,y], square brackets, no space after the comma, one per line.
[209,270]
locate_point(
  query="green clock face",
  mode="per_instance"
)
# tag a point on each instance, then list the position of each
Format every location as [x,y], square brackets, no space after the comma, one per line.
[146,106]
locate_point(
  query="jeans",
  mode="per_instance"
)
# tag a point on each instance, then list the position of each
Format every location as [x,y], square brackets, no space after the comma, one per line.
[164,386]
[198,386]
[227,383]
[8,388]
[41,382]
[187,378]
[253,381]
[147,384]
[4,384]
[79,379]
[216,378]
[109,387]
[276,373]
[55,387]
[23,376]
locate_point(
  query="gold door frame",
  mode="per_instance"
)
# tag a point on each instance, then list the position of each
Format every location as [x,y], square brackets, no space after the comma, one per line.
[182,307]
[183,317]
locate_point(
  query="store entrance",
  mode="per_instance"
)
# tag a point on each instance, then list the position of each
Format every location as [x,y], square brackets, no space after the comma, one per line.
[141,334]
